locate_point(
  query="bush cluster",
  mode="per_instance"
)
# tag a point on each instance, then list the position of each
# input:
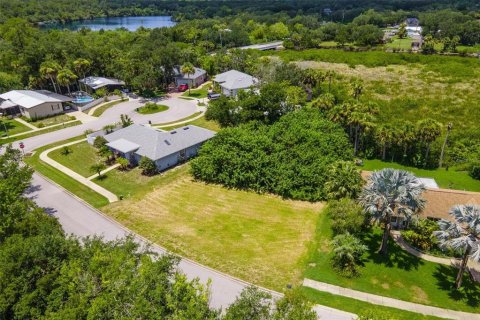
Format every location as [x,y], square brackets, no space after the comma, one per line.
[421,234]
[347,216]
[289,158]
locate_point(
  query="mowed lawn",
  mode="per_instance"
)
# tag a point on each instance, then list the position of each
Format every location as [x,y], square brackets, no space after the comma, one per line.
[80,159]
[400,275]
[258,238]
[451,179]
[10,127]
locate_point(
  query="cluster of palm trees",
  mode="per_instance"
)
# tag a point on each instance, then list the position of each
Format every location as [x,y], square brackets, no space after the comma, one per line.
[396,193]
[62,76]
[359,118]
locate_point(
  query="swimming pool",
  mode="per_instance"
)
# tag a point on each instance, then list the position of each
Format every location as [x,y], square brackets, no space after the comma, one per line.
[83,99]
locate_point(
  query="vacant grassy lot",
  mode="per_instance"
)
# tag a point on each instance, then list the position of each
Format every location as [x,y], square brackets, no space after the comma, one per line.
[80,159]
[10,127]
[400,275]
[258,238]
[401,44]
[78,189]
[459,180]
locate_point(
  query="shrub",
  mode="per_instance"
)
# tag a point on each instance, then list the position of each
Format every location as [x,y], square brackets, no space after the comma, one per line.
[66,151]
[347,254]
[347,216]
[344,181]
[375,314]
[421,234]
[100,142]
[148,166]
[123,163]
[41,125]
[475,172]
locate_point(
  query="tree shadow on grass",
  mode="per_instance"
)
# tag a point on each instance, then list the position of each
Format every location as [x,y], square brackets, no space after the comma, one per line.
[396,257]
[469,292]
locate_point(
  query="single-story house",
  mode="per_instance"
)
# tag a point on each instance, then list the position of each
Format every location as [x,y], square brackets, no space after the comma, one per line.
[33,104]
[165,148]
[193,80]
[92,84]
[232,81]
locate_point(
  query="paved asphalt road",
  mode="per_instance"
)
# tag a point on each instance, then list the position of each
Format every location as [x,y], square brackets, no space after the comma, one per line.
[82,220]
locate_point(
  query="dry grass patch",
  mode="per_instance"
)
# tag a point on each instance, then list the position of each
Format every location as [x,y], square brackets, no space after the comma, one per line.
[258,238]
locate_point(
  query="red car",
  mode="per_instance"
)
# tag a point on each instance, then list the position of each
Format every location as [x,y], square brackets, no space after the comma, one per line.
[183,87]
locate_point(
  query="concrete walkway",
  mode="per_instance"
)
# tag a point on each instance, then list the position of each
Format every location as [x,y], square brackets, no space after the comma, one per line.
[83,117]
[25,123]
[390,302]
[38,129]
[93,176]
[85,181]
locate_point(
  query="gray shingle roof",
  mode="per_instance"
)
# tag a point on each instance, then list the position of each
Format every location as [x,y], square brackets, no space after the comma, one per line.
[156,144]
[198,72]
[234,79]
[123,145]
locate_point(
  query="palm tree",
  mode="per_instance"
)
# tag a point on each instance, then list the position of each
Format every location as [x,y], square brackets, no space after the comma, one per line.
[310,79]
[66,77]
[98,168]
[389,193]
[449,128]
[49,70]
[361,119]
[356,89]
[125,120]
[344,181]
[406,136]
[188,69]
[81,66]
[428,130]
[383,136]
[463,234]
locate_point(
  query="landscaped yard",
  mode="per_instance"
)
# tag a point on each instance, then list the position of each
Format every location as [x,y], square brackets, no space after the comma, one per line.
[10,127]
[78,189]
[450,179]
[259,238]
[50,121]
[196,114]
[80,159]
[200,122]
[400,275]
[150,108]
[100,110]
[30,134]
[198,93]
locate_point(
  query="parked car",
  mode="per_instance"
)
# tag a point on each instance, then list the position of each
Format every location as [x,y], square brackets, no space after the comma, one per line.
[183,87]
[213,96]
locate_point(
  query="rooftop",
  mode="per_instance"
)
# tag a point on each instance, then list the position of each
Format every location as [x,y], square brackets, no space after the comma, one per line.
[31,98]
[234,79]
[264,46]
[155,144]
[198,72]
[99,82]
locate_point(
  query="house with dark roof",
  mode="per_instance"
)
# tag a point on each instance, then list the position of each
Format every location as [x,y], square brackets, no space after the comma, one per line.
[233,81]
[192,80]
[165,148]
[92,84]
[33,104]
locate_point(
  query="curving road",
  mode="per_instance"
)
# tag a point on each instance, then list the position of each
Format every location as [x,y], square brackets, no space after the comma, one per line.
[82,220]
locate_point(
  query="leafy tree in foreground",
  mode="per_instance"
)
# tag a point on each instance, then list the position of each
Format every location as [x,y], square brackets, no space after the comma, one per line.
[347,216]
[98,168]
[463,234]
[343,181]
[389,193]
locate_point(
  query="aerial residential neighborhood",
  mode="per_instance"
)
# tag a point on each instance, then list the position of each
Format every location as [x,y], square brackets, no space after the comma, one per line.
[240,160]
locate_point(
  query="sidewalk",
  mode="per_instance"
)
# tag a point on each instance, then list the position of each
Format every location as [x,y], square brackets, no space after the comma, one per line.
[85,181]
[201,109]
[390,302]
[38,129]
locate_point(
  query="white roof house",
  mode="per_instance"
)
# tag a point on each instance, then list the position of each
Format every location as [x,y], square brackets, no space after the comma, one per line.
[233,80]
[100,82]
[31,98]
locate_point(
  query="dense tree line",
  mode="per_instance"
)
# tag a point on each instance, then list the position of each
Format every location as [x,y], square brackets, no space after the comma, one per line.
[290,158]
[48,275]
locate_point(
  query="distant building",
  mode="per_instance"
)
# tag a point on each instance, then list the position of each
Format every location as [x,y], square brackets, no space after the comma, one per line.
[232,81]
[165,148]
[33,104]
[412,22]
[92,84]
[192,80]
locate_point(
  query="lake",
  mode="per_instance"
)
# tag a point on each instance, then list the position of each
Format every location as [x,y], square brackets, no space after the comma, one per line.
[112,23]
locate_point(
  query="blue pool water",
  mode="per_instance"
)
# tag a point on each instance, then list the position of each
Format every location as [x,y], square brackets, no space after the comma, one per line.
[84,99]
